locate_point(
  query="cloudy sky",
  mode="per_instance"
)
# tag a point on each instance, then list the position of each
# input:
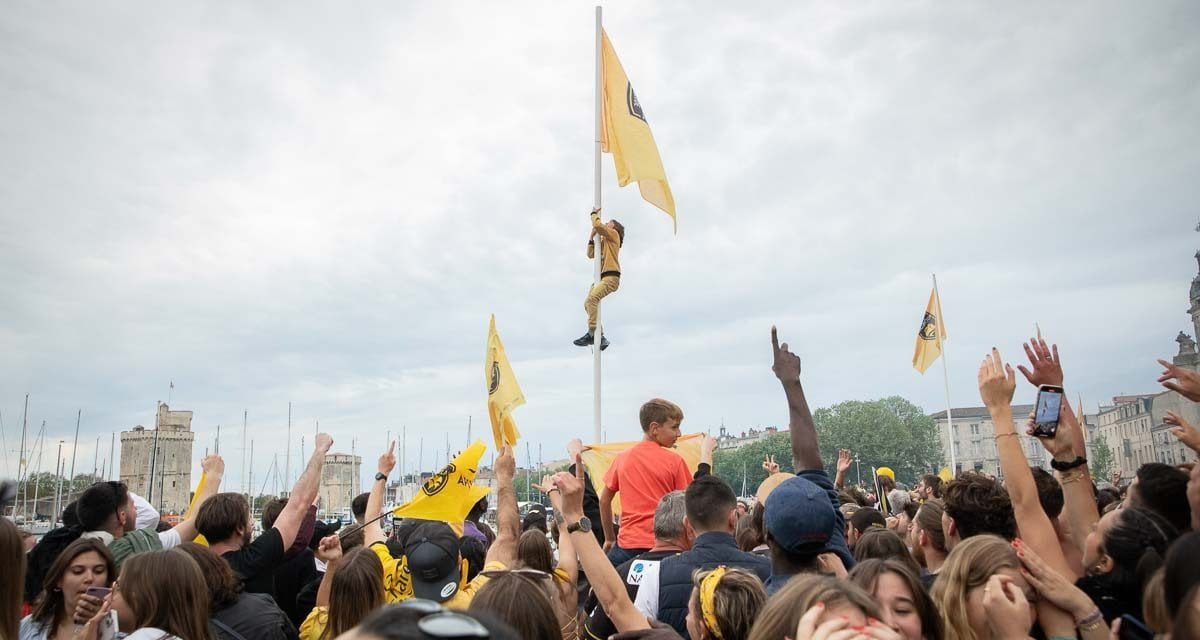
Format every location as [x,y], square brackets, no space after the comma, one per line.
[322,204]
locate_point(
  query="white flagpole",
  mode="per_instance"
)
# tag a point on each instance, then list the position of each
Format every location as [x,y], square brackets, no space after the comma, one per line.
[946,377]
[599,336]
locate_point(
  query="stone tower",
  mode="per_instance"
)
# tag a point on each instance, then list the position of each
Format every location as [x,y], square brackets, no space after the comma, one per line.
[173,464]
[1194,297]
[339,482]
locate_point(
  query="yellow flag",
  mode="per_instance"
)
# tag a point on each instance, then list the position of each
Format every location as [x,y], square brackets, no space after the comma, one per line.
[446,496]
[597,458]
[930,335]
[626,135]
[504,394]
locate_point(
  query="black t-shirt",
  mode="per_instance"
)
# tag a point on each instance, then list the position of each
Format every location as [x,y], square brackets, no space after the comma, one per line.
[290,578]
[598,624]
[256,562]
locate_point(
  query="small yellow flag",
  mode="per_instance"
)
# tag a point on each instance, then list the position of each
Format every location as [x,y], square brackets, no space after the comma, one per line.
[191,510]
[446,496]
[504,394]
[626,135]
[930,335]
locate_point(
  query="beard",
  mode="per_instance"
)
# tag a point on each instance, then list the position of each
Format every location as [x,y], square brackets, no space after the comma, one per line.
[918,554]
[247,536]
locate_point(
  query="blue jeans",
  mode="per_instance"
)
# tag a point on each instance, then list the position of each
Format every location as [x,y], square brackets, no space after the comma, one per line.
[617,556]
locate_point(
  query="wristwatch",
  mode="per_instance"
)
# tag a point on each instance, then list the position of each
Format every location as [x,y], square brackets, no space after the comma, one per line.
[583,525]
[380,476]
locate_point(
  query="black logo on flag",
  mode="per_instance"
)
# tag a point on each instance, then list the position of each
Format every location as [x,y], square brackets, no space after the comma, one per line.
[434,485]
[928,330]
[635,107]
[495,382]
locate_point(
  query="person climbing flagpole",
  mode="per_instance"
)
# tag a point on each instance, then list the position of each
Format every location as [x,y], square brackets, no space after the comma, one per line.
[622,130]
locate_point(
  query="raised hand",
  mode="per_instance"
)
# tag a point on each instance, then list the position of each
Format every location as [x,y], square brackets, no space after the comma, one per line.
[570,486]
[91,629]
[575,447]
[506,464]
[845,459]
[387,461]
[770,465]
[213,465]
[1046,366]
[997,382]
[1186,382]
[787,364]
[323,443]
[1183,430]
[329,550]
[707,446]
[1060,447]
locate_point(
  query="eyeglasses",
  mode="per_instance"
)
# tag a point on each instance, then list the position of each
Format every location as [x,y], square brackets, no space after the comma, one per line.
[528,573]
[440,623]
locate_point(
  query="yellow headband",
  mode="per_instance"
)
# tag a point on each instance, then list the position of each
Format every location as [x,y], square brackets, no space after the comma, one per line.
[708,594]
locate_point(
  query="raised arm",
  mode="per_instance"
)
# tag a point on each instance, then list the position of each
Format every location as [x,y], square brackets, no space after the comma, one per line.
[605,580]
[303,493]
[1067,446]
[508,516]
[603,230]
[801,427]
[997,382]
[843,465]
[606,517]
[568,564]
[213,468]
[373,532]
[329,551]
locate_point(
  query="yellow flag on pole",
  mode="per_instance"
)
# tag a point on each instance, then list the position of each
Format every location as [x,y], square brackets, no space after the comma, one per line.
[930,335]
[626,135]
[504,394]
[192,506]
[446,495]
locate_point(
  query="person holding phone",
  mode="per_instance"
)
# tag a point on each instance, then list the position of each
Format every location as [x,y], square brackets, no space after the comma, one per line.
[73,591]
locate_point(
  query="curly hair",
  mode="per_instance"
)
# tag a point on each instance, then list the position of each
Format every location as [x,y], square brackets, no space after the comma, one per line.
[979,505]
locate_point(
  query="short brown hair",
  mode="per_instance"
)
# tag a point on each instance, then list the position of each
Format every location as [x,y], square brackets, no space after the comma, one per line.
[659,410]
[979,505]
[222,515]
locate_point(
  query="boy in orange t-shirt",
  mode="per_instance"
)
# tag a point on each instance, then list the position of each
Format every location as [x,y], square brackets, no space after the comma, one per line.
[642,475]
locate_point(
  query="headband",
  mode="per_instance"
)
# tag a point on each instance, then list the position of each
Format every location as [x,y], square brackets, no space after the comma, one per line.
[708,605]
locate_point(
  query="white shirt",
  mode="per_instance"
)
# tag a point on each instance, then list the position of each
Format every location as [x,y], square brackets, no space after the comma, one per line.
[646,581]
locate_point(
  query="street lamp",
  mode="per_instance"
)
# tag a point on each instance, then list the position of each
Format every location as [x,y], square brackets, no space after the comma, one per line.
[858,469]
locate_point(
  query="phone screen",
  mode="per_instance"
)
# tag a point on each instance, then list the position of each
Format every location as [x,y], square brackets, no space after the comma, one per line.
[1049,403]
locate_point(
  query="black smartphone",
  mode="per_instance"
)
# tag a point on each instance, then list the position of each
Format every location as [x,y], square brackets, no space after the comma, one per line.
[1045,417]
[1133,629]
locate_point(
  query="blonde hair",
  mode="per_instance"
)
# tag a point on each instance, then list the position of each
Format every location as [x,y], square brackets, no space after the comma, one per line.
[968,566]
[778,618]
[737,599]
[1154,604]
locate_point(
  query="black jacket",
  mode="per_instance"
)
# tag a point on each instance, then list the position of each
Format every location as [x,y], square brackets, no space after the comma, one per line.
[711,549]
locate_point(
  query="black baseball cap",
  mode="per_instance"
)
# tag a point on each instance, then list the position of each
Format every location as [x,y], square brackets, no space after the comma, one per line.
[433,561]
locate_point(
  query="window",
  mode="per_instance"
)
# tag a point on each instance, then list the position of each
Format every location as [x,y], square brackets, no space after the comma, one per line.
[974,429]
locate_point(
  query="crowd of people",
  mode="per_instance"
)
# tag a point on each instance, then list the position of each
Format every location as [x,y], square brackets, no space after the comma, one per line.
[1034,555]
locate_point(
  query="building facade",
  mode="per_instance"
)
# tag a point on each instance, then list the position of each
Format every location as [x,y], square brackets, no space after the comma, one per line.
[172,480]
[339,482]
[974,439]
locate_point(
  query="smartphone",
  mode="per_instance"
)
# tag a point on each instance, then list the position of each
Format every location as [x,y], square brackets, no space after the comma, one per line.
[98,592]
[1045,417]
[1133,629]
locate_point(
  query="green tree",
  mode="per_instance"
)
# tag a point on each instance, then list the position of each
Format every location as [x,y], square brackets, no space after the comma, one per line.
[1101,464]
[891,432]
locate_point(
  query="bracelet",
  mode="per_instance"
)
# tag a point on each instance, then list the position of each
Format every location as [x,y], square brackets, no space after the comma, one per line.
[552,490]
[1091,621]
[1005,435]
[1066,477]
[1079,461]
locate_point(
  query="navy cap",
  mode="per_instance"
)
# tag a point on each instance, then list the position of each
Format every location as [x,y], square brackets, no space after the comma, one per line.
[799,516]
[433,560]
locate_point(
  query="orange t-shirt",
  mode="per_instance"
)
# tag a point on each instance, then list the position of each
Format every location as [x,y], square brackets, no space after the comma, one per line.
[642,475]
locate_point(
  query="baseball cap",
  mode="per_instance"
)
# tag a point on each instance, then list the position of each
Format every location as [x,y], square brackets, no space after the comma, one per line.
[866,518]
[433,561]
[799,516]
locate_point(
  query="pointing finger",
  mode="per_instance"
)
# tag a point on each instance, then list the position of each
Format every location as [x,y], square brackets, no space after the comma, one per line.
[775,340]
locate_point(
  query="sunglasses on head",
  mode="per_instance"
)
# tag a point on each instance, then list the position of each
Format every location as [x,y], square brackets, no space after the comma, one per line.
[442,623]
